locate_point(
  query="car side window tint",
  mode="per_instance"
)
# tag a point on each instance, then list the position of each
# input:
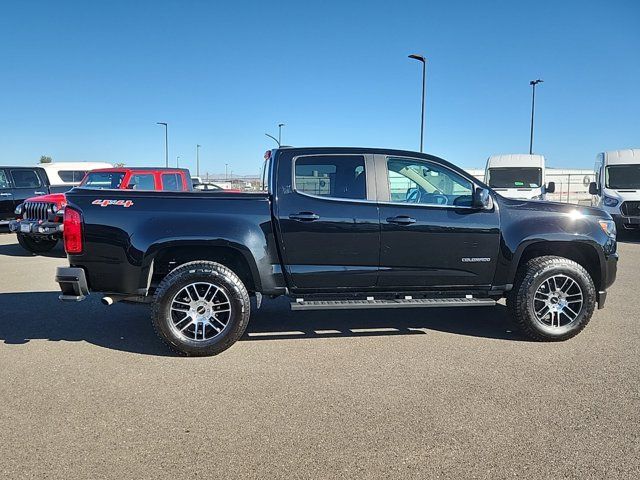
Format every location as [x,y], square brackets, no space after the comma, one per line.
[427,183]
[25,179]
[142,181]
[4,181]
[335,176]
[72,176]
[171,182]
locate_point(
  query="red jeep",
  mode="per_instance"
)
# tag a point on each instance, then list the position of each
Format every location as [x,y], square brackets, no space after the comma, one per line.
[38,221]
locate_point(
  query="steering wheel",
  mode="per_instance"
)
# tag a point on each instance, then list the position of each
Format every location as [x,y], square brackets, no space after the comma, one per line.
[414,196]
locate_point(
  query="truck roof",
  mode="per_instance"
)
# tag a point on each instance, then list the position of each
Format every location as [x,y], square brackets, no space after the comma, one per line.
[144,169]
[619,157]
[515,160]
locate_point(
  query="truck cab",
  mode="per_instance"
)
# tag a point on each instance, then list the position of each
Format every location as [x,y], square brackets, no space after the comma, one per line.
[518,176]
[617,186]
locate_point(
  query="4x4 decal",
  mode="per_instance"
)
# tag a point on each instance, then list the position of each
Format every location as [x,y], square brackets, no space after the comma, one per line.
[118,203]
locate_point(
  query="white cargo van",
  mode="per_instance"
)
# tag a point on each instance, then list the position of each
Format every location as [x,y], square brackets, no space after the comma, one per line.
[617,186]
[69,174]
[518,175]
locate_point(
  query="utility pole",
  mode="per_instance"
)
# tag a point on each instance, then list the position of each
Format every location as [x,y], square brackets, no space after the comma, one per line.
[166,143]
[198,160]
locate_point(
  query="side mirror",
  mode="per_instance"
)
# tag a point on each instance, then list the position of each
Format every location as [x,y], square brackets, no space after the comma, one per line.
[551,187]
[482,199]
[593,189]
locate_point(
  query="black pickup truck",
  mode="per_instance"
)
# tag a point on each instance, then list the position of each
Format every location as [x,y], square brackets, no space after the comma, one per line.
[19,183]
[338,228]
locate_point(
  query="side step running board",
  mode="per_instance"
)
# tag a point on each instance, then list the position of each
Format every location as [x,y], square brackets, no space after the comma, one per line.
[301,304]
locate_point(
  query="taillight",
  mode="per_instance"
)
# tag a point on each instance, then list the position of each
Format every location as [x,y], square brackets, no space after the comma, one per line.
[72,231]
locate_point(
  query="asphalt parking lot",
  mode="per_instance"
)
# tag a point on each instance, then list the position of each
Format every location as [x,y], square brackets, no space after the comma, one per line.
[89,392]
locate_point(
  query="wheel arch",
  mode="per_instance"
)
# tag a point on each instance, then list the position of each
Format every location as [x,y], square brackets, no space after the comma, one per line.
[582,252]
[161,258]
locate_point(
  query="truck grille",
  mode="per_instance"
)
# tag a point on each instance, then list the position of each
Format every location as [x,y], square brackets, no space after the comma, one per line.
[630,209]
[37,210]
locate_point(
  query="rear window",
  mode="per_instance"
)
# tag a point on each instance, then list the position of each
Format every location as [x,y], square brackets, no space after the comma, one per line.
[103,180]
[172,182]
[72,176]
[25,179]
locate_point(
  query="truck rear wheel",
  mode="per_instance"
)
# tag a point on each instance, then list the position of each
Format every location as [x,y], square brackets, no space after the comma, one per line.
[36,244]
[553,298]
[201,308]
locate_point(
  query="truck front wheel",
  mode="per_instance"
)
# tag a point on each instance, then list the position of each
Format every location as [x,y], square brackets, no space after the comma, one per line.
[553,298]
[201,308]
[36,244]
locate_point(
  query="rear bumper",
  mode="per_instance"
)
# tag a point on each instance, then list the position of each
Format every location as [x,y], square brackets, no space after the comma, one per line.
[73,284]
[36,227]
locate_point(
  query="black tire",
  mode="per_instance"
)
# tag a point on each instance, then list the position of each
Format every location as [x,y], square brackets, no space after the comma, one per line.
[232,289]
[531,276]
[35,244]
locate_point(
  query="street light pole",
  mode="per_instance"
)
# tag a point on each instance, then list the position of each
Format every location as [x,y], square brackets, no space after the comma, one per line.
[166,143]
[533,84]
[420,58]
[280,125]
[198,160]
[178,161]
[273,138]
[226,165]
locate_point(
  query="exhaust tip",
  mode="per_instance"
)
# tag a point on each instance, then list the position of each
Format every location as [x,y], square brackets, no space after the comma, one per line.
[107,301]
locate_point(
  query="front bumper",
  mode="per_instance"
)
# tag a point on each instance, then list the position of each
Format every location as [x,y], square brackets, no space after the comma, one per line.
[73,284]
[36,227]
[609,273]
[626,223]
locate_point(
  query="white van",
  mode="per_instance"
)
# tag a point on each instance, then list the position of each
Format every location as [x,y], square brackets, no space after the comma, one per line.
[518,175]
[69,174]
[617,186]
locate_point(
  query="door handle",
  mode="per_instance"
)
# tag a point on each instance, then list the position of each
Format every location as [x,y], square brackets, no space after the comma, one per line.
[39,193]
[304,216]
[5,194]
[401,220]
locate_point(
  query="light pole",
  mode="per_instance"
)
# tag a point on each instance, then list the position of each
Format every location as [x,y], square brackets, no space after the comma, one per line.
[533,84]
[226,165]
[420,58]
[166,142]
[280,125]
[274,138]
[198,160]
[178,161]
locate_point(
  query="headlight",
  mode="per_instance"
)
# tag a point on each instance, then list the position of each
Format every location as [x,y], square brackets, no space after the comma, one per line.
[608,227]
[19,209]
[610,202]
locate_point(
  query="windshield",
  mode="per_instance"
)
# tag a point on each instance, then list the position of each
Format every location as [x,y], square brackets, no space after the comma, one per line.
[103,180]
[515,177]
[621,177]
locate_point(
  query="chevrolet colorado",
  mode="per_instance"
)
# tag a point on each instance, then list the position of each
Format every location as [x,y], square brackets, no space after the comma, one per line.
[338,228]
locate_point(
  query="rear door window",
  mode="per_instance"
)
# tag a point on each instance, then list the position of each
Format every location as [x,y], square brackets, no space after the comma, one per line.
[172,182]
[142,181]
[25,179]
[72,176]
[335,176]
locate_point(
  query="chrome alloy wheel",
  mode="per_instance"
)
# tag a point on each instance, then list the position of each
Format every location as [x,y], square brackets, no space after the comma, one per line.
[200,311]
[558,301]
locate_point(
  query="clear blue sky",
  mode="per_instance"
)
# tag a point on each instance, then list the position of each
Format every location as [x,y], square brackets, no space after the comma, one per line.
[88,80]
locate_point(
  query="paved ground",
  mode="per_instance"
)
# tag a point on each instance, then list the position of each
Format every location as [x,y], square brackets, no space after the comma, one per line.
[87,391]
